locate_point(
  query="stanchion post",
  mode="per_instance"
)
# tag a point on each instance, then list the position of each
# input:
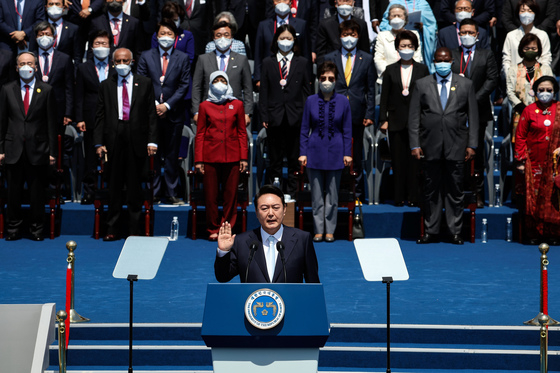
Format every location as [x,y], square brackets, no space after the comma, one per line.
[74,316]
[60,317]
[543,248]
[544,322]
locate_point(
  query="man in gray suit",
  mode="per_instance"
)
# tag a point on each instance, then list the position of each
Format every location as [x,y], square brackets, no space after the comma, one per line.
[234,64]
[443,130]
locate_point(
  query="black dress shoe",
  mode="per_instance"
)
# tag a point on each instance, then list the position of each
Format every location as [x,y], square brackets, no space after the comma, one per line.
[110,237]
[318,238]
[426,238]
[37,237]
[13,237]
[456,240]
[175,201]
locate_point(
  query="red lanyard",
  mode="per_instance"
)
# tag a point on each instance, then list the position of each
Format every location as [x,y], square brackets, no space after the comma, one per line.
[20,17]
[294,8]
[280,69]
[413,6]
[467,63]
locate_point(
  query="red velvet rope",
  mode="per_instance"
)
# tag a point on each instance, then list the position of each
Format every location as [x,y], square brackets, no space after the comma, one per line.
[68,300]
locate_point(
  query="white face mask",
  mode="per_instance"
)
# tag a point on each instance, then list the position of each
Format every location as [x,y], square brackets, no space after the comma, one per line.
[344,10]
[166,42]
[326,86]
[219,89]
[55,12]
[26,72]
[467,41]
[101,52]
[545,97]
[45,42]
[223,44]
[123,70]
[282,9]
[406,54]
[177,22]
[527,18]
[285,45]
[349,42]
[462,15]
[397,23]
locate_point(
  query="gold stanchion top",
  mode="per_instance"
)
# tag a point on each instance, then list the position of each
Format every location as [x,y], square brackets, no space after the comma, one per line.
[543,248]
[61,315]
[543,319]
[71,245]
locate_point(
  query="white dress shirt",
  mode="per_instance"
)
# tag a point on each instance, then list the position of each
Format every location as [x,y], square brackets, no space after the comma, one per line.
[510,57]
[289,56]
[31,85]
[219,59]
[41,58]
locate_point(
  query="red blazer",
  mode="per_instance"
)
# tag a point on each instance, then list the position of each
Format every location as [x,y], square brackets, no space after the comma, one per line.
[221,136]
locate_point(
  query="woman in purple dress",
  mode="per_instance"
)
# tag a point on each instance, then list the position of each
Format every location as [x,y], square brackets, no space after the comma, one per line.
[325,149]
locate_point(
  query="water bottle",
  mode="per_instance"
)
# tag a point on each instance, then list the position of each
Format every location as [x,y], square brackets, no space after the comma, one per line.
[495,128]
[276,182]
[496,160]
[484,233]
[497,200]
[509,230]
[174,235]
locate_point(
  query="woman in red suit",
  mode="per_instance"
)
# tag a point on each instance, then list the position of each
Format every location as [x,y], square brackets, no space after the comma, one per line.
[220,150]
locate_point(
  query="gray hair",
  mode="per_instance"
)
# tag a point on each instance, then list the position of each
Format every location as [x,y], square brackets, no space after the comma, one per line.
[42,26]
[230,19]
[27,52]
[398,6]
[118,49]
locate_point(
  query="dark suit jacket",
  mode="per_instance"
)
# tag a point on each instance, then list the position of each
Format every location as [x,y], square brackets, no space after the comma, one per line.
[265,34]
[307,10]
[328,37]
[176,83]
[69,42]
[87,90]
[143,118]
[485,77]
[200,23]
[546,20]
[275,102]
[447,37]
[377,8]
[34,133]
[443,134]
[73,12]
[301,260]
[393,106]
[361,91]
[238,71]
[255,11]
[33,13]
[61,78]
[483,11]
[7,67]
[130,36]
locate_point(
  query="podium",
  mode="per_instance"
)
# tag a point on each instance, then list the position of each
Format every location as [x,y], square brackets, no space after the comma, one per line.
[265,328]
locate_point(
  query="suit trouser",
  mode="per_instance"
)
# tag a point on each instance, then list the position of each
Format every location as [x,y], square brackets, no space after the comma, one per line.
[226,174]
[325,207]
[357,155]
[443,187]
[405,167]
[284,141]
[168,150]
[36,177]
[125,168]
[90,164]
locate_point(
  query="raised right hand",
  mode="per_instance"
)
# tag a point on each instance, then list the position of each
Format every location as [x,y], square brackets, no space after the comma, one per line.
[225,239]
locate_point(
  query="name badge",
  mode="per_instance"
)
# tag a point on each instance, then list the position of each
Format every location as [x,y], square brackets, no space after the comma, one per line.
[231,107]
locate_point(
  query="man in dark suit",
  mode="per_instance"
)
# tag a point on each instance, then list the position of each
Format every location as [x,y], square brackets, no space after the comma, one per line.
[232,257]
[17,21]
[480,67]
[169,70]
[27,144]
[328,35]
[7,67]
[376,10]
[449,36]
[248,14]
[355,80]
[546,19]
[483,11]
[443,131]
[236,67]
[89,76]
[126,132]
[199,20]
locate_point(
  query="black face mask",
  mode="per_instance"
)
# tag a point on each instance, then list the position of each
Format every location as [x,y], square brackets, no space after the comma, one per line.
[114,7]
[530,55]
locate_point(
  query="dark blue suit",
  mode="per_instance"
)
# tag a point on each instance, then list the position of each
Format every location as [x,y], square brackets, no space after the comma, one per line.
[447,37]
[130,33]
[69,42]
[301,260]
[33,13]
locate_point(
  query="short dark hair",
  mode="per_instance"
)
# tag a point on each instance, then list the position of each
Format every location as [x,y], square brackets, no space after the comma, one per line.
[327,66]
[269,189]
[526,40]
[349,25]
[172,9]
[42,26]
[469,22]
[169,25]
[532,4]
[406,35]
[220,25]
[279,30]
[100,34]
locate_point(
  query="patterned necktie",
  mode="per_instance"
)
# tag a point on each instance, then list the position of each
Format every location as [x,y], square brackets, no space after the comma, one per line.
[26,99]
[116,31]
[125,102]
[223,62]
[443,93]
[55,25]
[284,67]
[188,7]
[46,67]
[271,257]
[165,63]
[101,71]
[348,68]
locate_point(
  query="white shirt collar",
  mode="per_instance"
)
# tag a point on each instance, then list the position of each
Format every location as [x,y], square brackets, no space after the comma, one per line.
[31,84]
[277,235]
[161,51]
[49,51]
[289,56]
[96,60]
[226,53]
[345,52]
[448,78]
[58,21]
[285,20]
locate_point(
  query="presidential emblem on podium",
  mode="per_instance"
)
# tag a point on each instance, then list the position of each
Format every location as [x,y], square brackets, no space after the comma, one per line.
[264,309]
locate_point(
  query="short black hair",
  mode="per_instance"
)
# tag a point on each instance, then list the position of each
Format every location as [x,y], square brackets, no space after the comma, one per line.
[526,40]
[100,34]
[406,35]
[327,66]
[42,26]
[349,25]
[220,25]
[172,9]
[546,78]
[169,25]
[280,30]
[269,189]
[469,22]
[532,4]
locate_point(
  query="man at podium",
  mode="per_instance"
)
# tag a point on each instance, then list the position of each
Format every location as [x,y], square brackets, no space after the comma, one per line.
[257,255]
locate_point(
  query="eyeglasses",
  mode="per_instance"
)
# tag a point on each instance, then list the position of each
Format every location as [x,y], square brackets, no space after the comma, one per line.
[324,79]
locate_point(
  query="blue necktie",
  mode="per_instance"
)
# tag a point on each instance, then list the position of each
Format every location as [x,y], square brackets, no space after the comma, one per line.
[20,11]
[46,68]
[101,69]
[223,62]
[443,94]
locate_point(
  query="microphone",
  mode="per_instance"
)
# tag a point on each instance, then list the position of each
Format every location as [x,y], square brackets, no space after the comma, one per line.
[280,247]
[254,246]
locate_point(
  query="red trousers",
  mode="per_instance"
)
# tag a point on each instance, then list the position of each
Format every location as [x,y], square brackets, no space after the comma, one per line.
[226,175]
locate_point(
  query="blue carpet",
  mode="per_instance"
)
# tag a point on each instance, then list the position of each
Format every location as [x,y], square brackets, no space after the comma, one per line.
[475,284]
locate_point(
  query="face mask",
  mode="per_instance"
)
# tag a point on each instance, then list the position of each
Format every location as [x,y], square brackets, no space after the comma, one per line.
[349,42]
[545,97]
[468,41]
[101,52]
[54,12]
[166,42]
[282,9]
[406,54]
[530,55]
[26,72]
[326,86]
[527,18]
[285,45]
[45,42]
[219,89]
[397,23]
[114,7]
[223,44]
[177,22]
[123,70]
[443,68]
[462,15]
[344,10]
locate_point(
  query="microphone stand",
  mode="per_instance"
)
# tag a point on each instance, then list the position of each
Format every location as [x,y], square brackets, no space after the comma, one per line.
[280,247]
[253,248]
